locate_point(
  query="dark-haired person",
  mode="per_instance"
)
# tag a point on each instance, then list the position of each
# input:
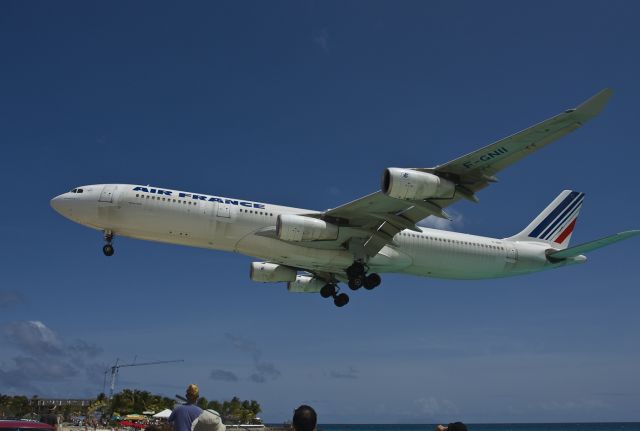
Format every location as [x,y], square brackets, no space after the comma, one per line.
[182,416]
[304,418]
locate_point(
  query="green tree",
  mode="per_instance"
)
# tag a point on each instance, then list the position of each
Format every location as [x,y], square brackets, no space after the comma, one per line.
[215,405]
[202,403]
[15,406]
[255,407]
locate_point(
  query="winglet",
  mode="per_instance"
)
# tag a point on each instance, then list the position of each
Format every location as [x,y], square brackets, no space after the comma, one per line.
[593,106]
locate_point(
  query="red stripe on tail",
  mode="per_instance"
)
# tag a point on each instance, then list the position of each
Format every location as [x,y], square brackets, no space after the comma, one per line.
[566,232]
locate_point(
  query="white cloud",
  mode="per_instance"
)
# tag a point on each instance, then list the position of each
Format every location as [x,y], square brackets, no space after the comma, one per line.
[33,337]
[45,359]
[455,223]
[262,369]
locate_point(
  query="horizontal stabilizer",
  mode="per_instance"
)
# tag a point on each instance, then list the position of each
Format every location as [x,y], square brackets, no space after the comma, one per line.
[590,246]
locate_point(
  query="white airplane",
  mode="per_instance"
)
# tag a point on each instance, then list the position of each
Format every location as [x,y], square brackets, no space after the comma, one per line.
[315,250]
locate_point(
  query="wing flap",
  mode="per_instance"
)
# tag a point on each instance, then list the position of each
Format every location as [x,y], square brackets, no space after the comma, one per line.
[590,246]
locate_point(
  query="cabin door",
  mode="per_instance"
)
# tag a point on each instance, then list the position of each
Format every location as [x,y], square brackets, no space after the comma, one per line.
[224,210]
[107,193]
[512,254]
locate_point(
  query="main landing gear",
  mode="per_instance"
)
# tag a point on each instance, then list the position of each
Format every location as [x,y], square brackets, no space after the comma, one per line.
[358,277]
[331,290]
[107,249]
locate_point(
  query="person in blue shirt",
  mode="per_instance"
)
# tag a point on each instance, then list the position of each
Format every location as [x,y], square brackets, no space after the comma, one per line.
[182,416]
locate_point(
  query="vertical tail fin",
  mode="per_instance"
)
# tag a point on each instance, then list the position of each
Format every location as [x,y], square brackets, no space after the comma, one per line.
[555,224]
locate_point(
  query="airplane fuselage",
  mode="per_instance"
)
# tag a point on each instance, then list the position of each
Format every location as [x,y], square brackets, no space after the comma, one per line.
[246,227]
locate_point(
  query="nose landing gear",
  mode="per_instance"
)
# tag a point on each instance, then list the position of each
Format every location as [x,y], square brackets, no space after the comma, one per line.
[107,249]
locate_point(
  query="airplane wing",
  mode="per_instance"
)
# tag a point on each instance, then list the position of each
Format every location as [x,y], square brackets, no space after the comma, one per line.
[377,217]
[567,253]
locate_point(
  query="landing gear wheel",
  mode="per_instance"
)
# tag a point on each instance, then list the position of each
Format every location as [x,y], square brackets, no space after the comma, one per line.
[341,300]
[371,281]
[355,283]
[355,270]
[108,250]
[328,290]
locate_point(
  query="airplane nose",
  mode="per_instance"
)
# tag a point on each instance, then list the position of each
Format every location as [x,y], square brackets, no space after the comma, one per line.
[57,204]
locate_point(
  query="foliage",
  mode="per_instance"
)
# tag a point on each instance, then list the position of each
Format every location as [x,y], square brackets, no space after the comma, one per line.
[14,406]
[134,401]
[236,410]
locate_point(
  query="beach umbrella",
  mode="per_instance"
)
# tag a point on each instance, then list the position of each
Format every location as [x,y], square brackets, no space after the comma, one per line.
[164,414]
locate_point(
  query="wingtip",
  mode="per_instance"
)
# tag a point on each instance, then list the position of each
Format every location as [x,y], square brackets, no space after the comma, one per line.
[594,105]
[630,233]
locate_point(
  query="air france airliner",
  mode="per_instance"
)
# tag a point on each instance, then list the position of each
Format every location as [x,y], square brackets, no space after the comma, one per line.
[313,251]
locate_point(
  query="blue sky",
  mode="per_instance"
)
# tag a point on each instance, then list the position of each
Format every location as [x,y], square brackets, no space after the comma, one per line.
[304,104]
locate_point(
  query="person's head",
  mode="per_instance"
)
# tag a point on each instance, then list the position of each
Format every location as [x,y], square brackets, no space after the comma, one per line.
[192,393]
[456,426]
[304,418]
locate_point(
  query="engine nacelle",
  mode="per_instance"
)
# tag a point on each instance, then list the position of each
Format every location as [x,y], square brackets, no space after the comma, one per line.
[305,284]
[266,272]
[409,184]
[291,227]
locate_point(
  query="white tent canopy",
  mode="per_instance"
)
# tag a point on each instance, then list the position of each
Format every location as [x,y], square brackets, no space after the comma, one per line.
[164,414]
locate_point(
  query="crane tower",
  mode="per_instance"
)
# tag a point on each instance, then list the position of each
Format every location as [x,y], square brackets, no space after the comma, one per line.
[116,368]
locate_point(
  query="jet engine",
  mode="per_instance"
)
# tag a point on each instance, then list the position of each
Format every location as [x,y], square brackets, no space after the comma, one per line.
[291,227]
[305,284]
[413,185]
[271,272]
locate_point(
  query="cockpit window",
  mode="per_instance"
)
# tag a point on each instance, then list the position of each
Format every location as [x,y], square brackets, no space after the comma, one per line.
[74,191]
[80,191]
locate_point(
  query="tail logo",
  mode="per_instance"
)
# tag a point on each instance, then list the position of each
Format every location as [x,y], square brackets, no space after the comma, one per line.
[560,222]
